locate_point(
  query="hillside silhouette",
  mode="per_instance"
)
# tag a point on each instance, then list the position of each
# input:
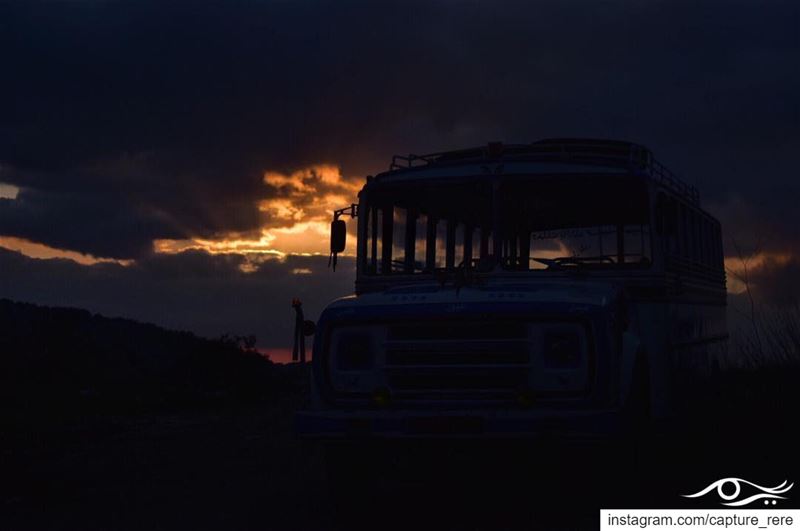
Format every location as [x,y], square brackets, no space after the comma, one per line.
[61,360]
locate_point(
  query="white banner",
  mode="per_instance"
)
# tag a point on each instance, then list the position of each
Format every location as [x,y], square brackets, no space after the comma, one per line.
[699,519]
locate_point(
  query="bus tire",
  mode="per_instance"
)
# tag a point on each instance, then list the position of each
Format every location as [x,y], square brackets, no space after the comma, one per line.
[636,411]
[351,480]
[636,419]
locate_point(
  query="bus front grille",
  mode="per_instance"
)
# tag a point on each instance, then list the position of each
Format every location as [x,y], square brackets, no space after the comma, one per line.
[458,379]
[464,359]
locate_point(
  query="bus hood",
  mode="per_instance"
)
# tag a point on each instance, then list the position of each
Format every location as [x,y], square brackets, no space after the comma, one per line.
[586,294]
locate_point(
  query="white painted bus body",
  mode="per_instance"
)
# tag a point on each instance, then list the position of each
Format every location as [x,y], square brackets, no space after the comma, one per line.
[449,351]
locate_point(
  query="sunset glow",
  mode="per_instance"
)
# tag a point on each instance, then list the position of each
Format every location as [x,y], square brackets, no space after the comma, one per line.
[738,269]
[8,191]
[297,216]
[39,250]
[296,211]
[307,195]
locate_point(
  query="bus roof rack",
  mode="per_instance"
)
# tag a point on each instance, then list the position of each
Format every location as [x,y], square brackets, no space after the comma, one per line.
[613,153]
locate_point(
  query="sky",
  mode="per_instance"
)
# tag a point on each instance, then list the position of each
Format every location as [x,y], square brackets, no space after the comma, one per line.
[177,162]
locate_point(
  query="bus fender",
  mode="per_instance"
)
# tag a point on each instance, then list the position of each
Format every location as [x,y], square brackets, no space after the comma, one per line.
[631,352]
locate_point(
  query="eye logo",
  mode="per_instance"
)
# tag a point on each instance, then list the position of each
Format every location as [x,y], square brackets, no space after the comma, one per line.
[767,493]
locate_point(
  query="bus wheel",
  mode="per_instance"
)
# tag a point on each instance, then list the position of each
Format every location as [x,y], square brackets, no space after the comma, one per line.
[351,479]
[636,440]
[636,411]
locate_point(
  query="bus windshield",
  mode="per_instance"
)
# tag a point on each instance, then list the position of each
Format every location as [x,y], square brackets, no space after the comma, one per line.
[511,223]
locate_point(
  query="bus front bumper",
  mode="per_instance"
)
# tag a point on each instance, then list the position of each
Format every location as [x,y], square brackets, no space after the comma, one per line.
[571,424]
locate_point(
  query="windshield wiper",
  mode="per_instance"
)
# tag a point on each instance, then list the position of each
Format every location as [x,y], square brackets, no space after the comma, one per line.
[563,262]
[461,276]
[585,260]
[551,263]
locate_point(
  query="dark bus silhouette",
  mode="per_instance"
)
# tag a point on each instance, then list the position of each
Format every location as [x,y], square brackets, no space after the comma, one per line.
[566,286]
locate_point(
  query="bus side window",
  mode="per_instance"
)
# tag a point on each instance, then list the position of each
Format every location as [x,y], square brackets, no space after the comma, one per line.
[661,216]
[698,238]
[430,245]
[662,228]
[374,239]
[692,234]
[678,232]
[673,226]
[472,245]
[399,220]
[441,243]
[387,231]
[450,243]
[669,220]
[701,239]
[486,243]
[698,230]
[636,243]
[712,246]
[683,233]
[460,239]
[420,242]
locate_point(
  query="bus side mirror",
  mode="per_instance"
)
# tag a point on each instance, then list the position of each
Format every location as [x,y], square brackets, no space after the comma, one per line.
[309,327]
[338,235]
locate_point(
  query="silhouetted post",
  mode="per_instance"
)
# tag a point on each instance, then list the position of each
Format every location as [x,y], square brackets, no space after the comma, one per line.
[299,349]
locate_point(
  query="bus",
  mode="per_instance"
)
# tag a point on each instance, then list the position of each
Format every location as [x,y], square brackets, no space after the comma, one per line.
[567,286]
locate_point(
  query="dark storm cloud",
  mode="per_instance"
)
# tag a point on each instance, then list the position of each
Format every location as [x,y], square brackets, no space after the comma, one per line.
[170,112]
[760,223]
[778,282]
[115,209]
[196,291]
[90,223]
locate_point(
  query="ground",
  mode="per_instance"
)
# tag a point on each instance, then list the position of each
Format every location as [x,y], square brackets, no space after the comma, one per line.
[238,467]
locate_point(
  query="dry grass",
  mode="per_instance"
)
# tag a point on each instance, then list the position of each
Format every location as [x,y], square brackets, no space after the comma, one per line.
[767,337]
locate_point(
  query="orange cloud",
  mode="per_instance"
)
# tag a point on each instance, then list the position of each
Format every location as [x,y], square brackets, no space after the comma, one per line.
[232,243]
[297,214]
[38,250]
[306,195]
[8,191]
[740,270]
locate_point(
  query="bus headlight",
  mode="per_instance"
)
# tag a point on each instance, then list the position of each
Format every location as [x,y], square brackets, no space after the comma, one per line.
[354,359]
[562,349]
[561,363]
[354,352]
